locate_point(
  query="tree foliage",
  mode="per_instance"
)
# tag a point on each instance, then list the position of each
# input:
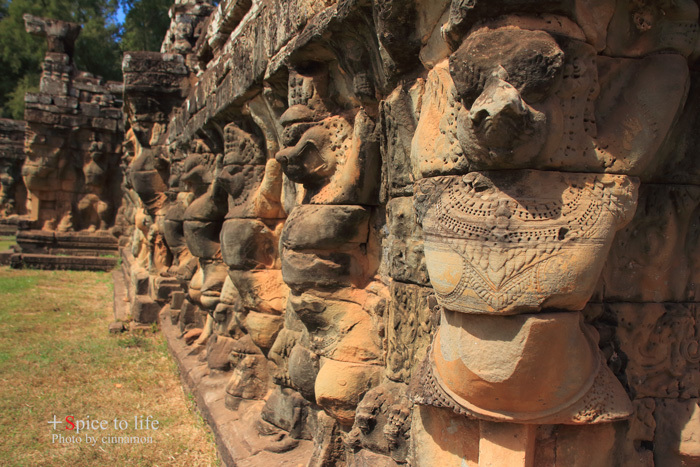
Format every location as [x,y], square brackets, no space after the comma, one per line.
[145,24]
[98,48]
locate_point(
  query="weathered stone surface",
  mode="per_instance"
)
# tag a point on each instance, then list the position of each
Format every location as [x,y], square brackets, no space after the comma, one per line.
[637,447]
[324,246]
[51,262]
[405,214]
[261,291]
[236,435]
[677,162]
[13,193]
[249,379]
[464,372]
[249,244]
[659,342]
[579,446]
[162,288]
[223,21]
[677,432]
[6,257]
[524,240]
[145,310]
[383,421]
[367,458]
[325,227]
[192,335]
[79,244]
[409,330]
[11,225]
[186,26]
[442,437]
[218,350]
[243,60]
[398,125]
[653,258]
[287,409]
[475,125]
[405,250]
[116,327]
[522,92]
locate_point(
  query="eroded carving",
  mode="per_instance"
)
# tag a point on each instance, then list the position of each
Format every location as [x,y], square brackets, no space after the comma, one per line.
[515,242]
[334,156]
[287,209]
[513,255]
[13,193]
[660,342]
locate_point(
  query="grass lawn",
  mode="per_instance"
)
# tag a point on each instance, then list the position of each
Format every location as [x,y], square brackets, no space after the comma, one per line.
[6,243]
[57,359]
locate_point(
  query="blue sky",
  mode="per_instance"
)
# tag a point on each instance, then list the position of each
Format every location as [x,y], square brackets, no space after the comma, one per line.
[120,15]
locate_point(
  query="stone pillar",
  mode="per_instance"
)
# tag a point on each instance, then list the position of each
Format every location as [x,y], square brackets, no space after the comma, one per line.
[531,141]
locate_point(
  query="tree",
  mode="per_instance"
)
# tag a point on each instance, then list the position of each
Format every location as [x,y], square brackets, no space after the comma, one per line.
[145,24]
[97,50]
[21,54]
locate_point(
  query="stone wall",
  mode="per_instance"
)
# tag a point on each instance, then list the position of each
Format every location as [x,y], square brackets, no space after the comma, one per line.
[434,233]
[13,193]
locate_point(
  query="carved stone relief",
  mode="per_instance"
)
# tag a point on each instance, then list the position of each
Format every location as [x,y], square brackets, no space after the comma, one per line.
[517,127]
[13,193]
[324,245]
[523,241]
[426,233]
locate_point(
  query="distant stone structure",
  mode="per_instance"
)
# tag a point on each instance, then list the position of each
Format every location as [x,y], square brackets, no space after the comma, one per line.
[74,135]
[13,193]
[401,232]
[73,140]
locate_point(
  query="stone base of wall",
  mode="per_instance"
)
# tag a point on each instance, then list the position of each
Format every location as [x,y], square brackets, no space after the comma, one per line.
[76,251]
[11,225]
[55,262]
[6,257]
[236,432]
[141,296]
[67,243]
[7,230]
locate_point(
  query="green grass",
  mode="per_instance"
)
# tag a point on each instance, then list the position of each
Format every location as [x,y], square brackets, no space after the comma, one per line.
[6,243]
[57,358]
